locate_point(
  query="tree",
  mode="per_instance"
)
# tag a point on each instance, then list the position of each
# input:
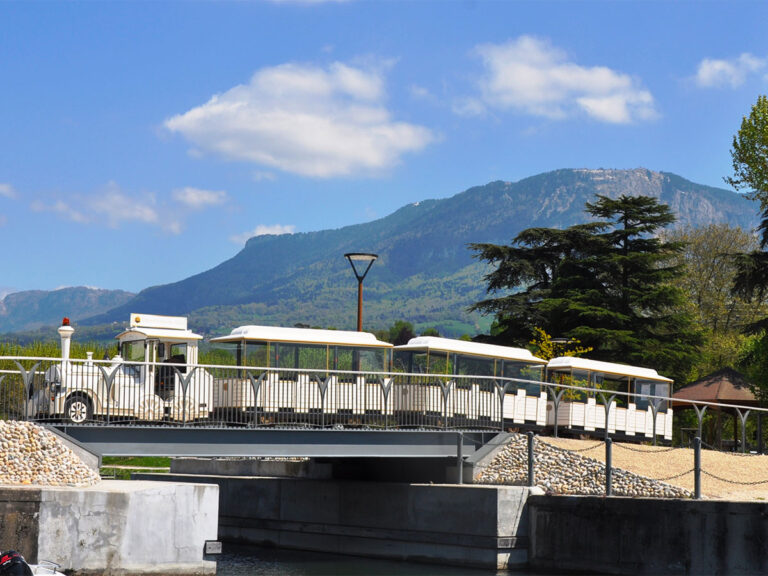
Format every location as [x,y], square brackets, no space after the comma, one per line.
[709,270]
[607,284]
[708,275]
[749,154]
[400,332]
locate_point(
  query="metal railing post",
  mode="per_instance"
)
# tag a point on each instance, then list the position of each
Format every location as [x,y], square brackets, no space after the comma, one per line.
[460,458]
[608,467]
[697,468]
[531,472]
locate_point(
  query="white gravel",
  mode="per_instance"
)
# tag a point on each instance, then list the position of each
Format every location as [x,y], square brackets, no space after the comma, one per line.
[560,471]
[31,455]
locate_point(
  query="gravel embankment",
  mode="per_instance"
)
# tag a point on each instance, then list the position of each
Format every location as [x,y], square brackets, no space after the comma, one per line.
[561,471]
[31,455]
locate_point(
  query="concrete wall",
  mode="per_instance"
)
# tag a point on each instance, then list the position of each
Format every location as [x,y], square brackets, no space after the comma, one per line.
[481,526]
[645,536]
[19,512]
[114,528]
[306,468]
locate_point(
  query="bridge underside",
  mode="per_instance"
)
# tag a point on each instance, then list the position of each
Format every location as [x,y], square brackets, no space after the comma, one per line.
[275,442]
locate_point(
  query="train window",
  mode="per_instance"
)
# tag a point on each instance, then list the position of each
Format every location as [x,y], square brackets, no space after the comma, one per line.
[474,366]
[179,351]
[615,383]
[313,357]
[439,363]
[419,362]
[133,351]
[646,388]
[523,371]
[401,361]
[373,360]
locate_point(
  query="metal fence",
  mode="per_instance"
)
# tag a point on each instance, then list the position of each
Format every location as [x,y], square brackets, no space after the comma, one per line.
[91,391]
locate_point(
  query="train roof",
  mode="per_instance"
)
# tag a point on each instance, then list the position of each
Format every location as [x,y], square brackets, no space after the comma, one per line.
[572,362]
[434,343]
[160,327]
[303,335]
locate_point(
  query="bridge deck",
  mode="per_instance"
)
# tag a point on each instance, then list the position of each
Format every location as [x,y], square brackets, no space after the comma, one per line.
[275,442]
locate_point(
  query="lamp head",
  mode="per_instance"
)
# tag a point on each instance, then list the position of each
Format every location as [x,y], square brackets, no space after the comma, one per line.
[362,259]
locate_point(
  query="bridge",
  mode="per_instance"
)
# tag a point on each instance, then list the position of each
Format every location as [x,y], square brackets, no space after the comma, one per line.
[117,440]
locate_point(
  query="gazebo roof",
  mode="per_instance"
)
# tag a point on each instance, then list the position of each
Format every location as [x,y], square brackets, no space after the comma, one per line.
[726,386]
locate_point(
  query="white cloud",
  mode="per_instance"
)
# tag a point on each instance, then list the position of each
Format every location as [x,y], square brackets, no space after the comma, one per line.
[7,191]
[114,208]
[262,230]
[713,73]
[261,175]
[468,107]
[197,198]
[533,77]
[62,208]
[317,122]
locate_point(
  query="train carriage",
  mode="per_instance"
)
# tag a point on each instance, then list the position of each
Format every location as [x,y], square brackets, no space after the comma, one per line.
[639,408]
[287,375]
[459,381]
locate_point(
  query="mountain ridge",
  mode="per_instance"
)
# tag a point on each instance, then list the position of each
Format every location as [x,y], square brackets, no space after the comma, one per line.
[425,273]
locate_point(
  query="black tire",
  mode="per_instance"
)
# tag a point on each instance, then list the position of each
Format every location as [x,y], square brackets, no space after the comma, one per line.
[78,409]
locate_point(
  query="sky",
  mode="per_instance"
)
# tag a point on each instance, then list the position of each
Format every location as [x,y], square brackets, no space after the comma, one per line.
[144,142]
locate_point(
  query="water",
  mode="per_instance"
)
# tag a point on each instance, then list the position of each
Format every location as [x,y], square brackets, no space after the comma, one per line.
[272,562]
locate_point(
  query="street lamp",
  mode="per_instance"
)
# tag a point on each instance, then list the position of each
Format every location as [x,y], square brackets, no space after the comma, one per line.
[363,260]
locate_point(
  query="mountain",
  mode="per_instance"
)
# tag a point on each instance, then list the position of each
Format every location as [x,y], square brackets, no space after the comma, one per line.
[425,273]
[35,308]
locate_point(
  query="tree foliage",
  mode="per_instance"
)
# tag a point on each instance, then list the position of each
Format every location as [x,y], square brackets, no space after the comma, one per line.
[749,154]
[709,271]
[608,284]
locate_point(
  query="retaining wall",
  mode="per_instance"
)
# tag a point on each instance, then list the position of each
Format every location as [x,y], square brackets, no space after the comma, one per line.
[482,526]
[114,528]
[647,536]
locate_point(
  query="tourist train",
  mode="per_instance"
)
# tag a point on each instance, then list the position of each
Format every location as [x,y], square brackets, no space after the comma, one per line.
[264,375]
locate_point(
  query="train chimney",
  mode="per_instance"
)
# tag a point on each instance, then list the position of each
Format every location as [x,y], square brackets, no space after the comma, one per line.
[65,331]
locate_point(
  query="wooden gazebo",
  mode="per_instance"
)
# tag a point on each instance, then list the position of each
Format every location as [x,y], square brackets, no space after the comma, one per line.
[726,390]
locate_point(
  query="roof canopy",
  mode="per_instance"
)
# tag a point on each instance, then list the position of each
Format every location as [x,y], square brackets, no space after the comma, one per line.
[574,363]
[435,344]
[302,336]
[726,386]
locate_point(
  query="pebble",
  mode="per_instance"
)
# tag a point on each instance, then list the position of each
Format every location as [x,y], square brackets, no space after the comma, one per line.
[561,471]
[31,455]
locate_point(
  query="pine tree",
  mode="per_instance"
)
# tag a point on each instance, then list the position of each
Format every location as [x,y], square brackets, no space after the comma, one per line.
[607,284]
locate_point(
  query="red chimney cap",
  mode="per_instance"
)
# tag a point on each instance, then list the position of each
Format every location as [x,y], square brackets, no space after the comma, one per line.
[65,321]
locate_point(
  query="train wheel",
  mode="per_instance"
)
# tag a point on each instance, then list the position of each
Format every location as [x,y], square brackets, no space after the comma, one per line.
[150,408]
[78,409]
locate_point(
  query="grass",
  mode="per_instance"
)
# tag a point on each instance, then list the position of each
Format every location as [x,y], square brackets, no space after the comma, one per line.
[126,463]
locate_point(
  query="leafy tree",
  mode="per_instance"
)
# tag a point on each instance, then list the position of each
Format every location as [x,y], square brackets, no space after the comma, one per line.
[709,272]
[749,154]
[546,348]
[607,284]
[400,332]
[430,332]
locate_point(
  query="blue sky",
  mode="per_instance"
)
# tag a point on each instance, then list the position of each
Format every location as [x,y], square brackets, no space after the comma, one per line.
[142,142]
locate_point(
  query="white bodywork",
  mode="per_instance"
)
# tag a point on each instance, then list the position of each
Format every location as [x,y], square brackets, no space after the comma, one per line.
[467,398]
[591,415]
[301,392]
[78,389]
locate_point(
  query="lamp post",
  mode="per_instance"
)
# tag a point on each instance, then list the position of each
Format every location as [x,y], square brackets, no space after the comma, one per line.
[363,260]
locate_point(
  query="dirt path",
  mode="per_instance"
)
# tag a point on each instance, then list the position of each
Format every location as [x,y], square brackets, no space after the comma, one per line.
[660,462]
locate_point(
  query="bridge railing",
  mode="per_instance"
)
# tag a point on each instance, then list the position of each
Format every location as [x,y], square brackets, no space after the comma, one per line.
[93,391]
